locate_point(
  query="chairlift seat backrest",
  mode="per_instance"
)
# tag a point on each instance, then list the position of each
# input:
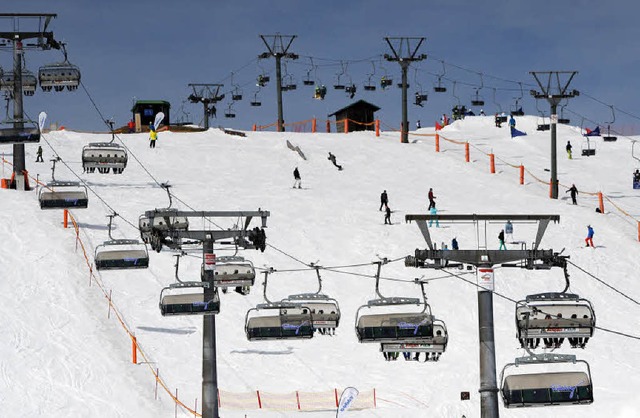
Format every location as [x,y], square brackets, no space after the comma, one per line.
[103,155]
[63,195]
[121,254]
[398,327]
[234,273]
[27,134]
[179,303]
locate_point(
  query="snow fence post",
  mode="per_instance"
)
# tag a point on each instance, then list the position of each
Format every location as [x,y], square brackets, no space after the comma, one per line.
[437,142]
[134,350]
[521,174]
[600,202]
[65,221]
[377,127]
[313,125]
[638,230]
[254,128]
[346,126]
[328,126]
[492,164]
[466,152]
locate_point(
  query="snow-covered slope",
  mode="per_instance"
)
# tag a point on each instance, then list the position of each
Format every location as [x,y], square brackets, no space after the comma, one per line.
[62,356]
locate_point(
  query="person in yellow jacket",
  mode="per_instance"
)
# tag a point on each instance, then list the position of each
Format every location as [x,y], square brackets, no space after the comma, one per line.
[153,136]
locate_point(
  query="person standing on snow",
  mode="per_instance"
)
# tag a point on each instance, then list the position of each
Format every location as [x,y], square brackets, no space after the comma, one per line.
[387,216]
[454,244]
[153,137]
[39,155]
[501,239]
[574,193]
[332,158]
[297,179]
[432,201]
[384,199]
[512,122]
[568,148]
[508,230]
[589,238]
[418,125]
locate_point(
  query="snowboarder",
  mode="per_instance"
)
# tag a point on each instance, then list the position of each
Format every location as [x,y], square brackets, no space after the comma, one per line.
[569,147]
[384,199]
[589,238]
[454,244]
[498,121]
[332,158]
[574,193]
[501,239]
[153,137]
[508,230]
[432,201]
[39,155]
[482,112]
[418,125]
[297,178]
[512,122]
[387,216]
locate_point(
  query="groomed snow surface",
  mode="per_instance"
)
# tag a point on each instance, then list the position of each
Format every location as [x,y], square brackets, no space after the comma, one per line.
[60,356]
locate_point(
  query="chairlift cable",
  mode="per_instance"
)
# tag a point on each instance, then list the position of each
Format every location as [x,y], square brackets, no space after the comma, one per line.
[604,283]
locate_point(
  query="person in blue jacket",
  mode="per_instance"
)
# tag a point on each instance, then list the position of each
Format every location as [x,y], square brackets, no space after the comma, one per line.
[589,238]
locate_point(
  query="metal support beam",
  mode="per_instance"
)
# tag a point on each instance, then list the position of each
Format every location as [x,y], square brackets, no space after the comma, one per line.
[209,363]
[19,163]
[488,374]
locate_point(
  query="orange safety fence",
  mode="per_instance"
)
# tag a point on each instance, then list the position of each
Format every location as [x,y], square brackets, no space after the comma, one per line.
[292,401]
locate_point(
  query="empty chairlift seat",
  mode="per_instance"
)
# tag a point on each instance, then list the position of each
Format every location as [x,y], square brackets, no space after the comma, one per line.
[546,388]
[121,254]
[29,133]
[188,298]
[277,321]
[104,156]
[63,195]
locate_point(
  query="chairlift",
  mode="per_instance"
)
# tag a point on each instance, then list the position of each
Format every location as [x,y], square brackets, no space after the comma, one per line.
[308,81]
[59,75]
[440,88]
[28,133]
[541,125]
[477,100]
[562,119]
[419,96]
[104,156]
[402,331]
[586,149]
[255,102]
[325,310]
[339,85]
[351,90]
[181,298]
[369,86]
[229,112]
[63,194]
[554,317]
[320,92]
[236,94]
[516,108]
[162,224]
[608,137]
[385,81]
[278,320]
[548,388]
[121,253]
[29,82]
[234,271]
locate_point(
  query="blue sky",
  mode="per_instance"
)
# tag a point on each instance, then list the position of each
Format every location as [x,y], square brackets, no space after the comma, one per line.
[154,49]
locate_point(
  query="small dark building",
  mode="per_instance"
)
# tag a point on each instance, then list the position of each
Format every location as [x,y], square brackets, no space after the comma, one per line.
[361,112]
[148,110]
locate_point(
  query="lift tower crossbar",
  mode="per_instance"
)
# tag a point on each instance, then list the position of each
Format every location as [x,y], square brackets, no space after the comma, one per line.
[278,48]
[208,95]
[554,91]
[404,54]
[484,260]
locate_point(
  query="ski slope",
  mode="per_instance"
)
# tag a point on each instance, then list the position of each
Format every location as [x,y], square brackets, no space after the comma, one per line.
[61,356]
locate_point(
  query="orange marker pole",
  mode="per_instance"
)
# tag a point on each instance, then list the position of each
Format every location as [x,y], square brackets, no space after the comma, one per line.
[521,174]
[638,230]
[492,164]
[65,221]
[255,127]
[328,126]
[134,349]
[377,127]
[346,126]
[466,152]
[437,143]
[600,202]
[313,125]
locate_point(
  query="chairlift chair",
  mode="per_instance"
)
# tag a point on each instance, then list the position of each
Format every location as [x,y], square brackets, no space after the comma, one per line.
[278,321]
[236,95]
[608,137]
[29,82]
[542,126]
[121,253]
[320,92]
[308,81]
[555,316]
[62,194]
[255,102]
[369,86]
[229,112]
[561,118]
[546,388]
[156,230]
[57,76]
[477,100]
[516,108]
[440,88]
[180,299]
[29,133]
[262,80]
[586,149]
[234,271]
[104,156]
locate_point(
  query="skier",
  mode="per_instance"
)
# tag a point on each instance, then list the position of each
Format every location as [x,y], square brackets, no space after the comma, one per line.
[297,178]
[501,239]
[434,211]
[332,158]
[39,155]
[482,112]
[432,201]
[384,199]
[454,244]
[574,193]
[418,125]
[508,230]
[387,215]
[512,122]
[589,238]
[498,121]
[569,147]
[153,137]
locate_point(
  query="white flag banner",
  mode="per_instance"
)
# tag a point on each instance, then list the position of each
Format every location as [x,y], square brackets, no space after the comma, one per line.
[42,118]
[347,399]
[158,120]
